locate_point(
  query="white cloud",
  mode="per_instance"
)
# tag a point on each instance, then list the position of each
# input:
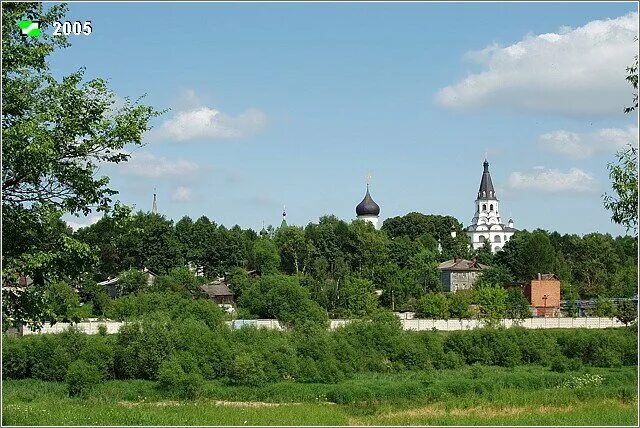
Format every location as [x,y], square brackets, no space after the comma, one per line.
[208,123]
[574,71]
[582,146]
[181,194]
[145,164]
[553,180]
[83,221]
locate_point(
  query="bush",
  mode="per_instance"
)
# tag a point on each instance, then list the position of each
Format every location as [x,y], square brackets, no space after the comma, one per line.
[178,380]
[81,377]
[246,370]
[561,364]
[14,358]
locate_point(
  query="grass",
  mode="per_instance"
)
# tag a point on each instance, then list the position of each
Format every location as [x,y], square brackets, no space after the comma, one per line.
[474,395]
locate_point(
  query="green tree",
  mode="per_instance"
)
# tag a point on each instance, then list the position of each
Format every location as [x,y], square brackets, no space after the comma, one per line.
[55,132]
[517,304]
[604,308]
[63,302]
[265,256]
[424,268]
[492,301]
[356,298]
[434,306]
[528,253]
[496,275]
[627,312]
[295,250]
[132,281]
[624,173]
[460,303]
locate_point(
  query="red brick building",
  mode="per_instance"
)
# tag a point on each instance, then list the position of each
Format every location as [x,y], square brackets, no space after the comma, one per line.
[543,294]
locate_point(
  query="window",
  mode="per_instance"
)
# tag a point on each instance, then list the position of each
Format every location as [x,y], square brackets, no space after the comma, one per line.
[484,207]
[497,239]
[491,207]
[498,249]
[481,238]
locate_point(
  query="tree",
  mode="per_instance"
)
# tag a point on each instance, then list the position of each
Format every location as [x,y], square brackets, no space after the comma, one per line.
[424,267]
[627,312]
[295,251]
[624,173]
[604,308]
[528,253]
[497,275]
[356,298]
[54,135]
[460,303]
[434,306]
[265,257]
[492,301]
[517,304]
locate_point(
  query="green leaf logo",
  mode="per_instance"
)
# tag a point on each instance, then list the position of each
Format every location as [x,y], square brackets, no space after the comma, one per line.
[30,28]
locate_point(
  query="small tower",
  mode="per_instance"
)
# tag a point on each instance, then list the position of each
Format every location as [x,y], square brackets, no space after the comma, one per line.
[368,210]
[154,207]
[284,217]
[263,232]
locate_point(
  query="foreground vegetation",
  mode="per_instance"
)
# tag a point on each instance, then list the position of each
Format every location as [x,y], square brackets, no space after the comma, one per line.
[471,395]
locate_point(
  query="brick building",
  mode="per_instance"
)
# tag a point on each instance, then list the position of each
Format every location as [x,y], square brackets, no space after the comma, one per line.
[543,294]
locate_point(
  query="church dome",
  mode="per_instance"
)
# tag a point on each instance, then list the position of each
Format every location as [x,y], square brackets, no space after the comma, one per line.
[367,206]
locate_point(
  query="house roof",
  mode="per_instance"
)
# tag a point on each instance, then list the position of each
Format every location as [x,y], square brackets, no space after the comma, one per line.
[548,276]
[462,265]
[216,289]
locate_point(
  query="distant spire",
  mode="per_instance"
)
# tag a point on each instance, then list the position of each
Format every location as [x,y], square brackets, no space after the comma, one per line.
[486,190]
[284,217]
[154,208]
[263,232]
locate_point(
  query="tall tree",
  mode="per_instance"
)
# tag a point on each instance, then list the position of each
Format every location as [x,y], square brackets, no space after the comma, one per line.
[55,132]
[624,173]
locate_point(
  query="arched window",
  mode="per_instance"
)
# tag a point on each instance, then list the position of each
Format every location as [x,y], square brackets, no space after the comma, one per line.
[491,207]
[484,207]
[498,249]
[497,239]
[481,238]
[484,193]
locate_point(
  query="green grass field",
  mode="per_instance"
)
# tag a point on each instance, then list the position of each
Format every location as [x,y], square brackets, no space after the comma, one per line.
[469,396]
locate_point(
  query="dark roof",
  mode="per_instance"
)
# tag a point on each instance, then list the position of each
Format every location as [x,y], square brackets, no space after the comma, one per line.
[462,264]
[486,190]
[548,276]
[367,206]
[216,288]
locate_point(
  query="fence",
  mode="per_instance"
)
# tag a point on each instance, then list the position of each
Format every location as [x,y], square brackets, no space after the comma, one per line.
[91,326]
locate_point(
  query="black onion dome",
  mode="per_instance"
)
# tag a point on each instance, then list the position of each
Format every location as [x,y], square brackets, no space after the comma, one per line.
[367,206]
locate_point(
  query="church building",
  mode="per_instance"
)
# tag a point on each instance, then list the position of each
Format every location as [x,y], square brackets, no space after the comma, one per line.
[487,225]
[368,210]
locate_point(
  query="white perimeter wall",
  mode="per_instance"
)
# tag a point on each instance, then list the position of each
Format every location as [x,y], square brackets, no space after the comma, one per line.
[91,327]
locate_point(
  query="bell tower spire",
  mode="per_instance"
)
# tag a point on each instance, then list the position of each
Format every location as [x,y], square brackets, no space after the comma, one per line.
[154,208]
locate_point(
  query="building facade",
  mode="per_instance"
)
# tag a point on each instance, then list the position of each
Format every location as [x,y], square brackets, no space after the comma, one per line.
[543,294]
[487,226]
[459,274]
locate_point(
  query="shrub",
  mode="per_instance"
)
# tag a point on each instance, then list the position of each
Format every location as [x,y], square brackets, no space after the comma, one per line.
[178,380]
[14,358]
[561,364]
[246,370]
[81,377]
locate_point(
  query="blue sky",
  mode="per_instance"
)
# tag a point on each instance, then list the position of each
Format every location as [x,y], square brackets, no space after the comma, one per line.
[295,104]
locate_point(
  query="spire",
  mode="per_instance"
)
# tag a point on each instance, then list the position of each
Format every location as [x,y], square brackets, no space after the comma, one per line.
[367,206]
[284,217]
[263,232]
[154,208]
[486,190]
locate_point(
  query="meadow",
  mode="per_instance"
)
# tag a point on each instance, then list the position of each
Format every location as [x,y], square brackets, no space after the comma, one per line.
[469,395]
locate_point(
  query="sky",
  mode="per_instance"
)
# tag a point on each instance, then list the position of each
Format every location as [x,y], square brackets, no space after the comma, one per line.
[290,104]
